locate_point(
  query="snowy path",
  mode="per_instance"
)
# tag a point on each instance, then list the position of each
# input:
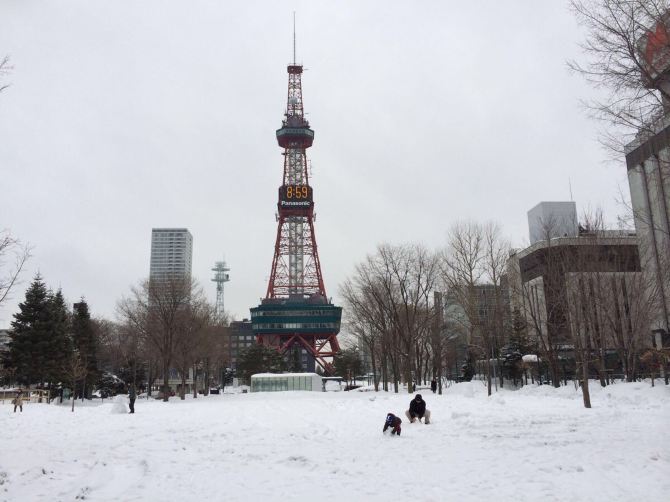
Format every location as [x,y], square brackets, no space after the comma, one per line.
[528,445]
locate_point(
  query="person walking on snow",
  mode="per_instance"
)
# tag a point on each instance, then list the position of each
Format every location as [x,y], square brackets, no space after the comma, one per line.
[417,409]
[18,401]
[433,385]
[132,395]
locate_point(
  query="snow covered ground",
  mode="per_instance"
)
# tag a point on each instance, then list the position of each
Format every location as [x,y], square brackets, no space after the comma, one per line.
[534,444]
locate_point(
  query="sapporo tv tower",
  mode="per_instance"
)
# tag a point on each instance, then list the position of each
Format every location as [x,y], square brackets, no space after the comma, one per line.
[296,313]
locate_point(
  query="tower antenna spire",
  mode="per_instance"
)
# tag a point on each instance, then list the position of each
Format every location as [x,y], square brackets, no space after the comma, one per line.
[293,37]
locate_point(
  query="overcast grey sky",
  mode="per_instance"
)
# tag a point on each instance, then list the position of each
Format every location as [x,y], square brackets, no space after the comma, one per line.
[125,115]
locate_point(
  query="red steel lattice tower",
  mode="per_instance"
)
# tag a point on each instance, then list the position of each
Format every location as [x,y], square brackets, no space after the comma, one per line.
[296,310]
[295,267]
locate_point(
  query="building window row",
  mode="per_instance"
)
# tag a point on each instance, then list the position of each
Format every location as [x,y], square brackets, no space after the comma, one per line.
[296,325]
[292,313]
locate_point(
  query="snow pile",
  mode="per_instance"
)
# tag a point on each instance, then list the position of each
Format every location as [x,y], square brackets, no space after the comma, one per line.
[537,443]
[119,405]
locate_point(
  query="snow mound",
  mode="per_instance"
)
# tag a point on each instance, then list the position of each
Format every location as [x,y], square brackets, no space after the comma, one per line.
[465,389]
[119,405]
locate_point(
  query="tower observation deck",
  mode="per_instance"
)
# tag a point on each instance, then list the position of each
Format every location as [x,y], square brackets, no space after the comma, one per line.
[296,310]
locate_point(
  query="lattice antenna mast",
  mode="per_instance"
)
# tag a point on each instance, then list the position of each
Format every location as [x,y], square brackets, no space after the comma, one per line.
[293,37]
[221,277]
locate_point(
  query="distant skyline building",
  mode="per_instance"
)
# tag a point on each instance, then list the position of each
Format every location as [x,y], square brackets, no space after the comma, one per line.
[241,338]
[171,253]
[548,220]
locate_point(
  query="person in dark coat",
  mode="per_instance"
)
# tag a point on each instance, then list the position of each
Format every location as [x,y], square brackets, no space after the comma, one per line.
[417,409]
[18,401]
[433,385]
[132,395]
[394,422]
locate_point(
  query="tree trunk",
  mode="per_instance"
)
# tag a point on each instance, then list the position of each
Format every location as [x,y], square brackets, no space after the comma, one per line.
[408,370]
[555,375]
[488,376]
[205,389]
[149,380]
[374,369]
[166,381]
[601,368]
[195,381]
[585,382]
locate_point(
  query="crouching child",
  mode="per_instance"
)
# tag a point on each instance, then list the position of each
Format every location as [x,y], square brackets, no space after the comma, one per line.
[394,422]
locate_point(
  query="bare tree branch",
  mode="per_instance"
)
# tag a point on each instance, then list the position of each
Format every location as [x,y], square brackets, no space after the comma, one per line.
[18,253]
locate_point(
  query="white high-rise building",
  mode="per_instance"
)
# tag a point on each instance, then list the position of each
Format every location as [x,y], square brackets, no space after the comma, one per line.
[171,253]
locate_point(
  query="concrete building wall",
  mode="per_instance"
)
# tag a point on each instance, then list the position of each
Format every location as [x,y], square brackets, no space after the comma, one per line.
[648,163]
[553,283]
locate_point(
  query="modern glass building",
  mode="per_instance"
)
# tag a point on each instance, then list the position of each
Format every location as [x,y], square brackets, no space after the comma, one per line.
[278,382]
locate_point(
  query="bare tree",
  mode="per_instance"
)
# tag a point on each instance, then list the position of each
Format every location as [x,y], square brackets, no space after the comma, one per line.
[437,341]
[474,278]
[627,47]
[390,301]
[496,254]
[74,370]
[413,274]
[462,272]
[155,309]
[192,343]
[368,316]
[5,68]
[623,61]
[622,303]
[12,250]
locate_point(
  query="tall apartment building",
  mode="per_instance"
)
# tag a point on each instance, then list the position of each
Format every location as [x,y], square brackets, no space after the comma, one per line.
[171,253]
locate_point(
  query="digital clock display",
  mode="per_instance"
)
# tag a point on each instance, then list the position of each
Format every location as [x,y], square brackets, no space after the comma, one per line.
[296,196]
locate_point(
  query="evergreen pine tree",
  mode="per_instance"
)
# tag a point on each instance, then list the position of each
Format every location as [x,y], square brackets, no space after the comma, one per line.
[259,359]
[59,344]
[518,345]
[84,341]
[295,365]
[30,333]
